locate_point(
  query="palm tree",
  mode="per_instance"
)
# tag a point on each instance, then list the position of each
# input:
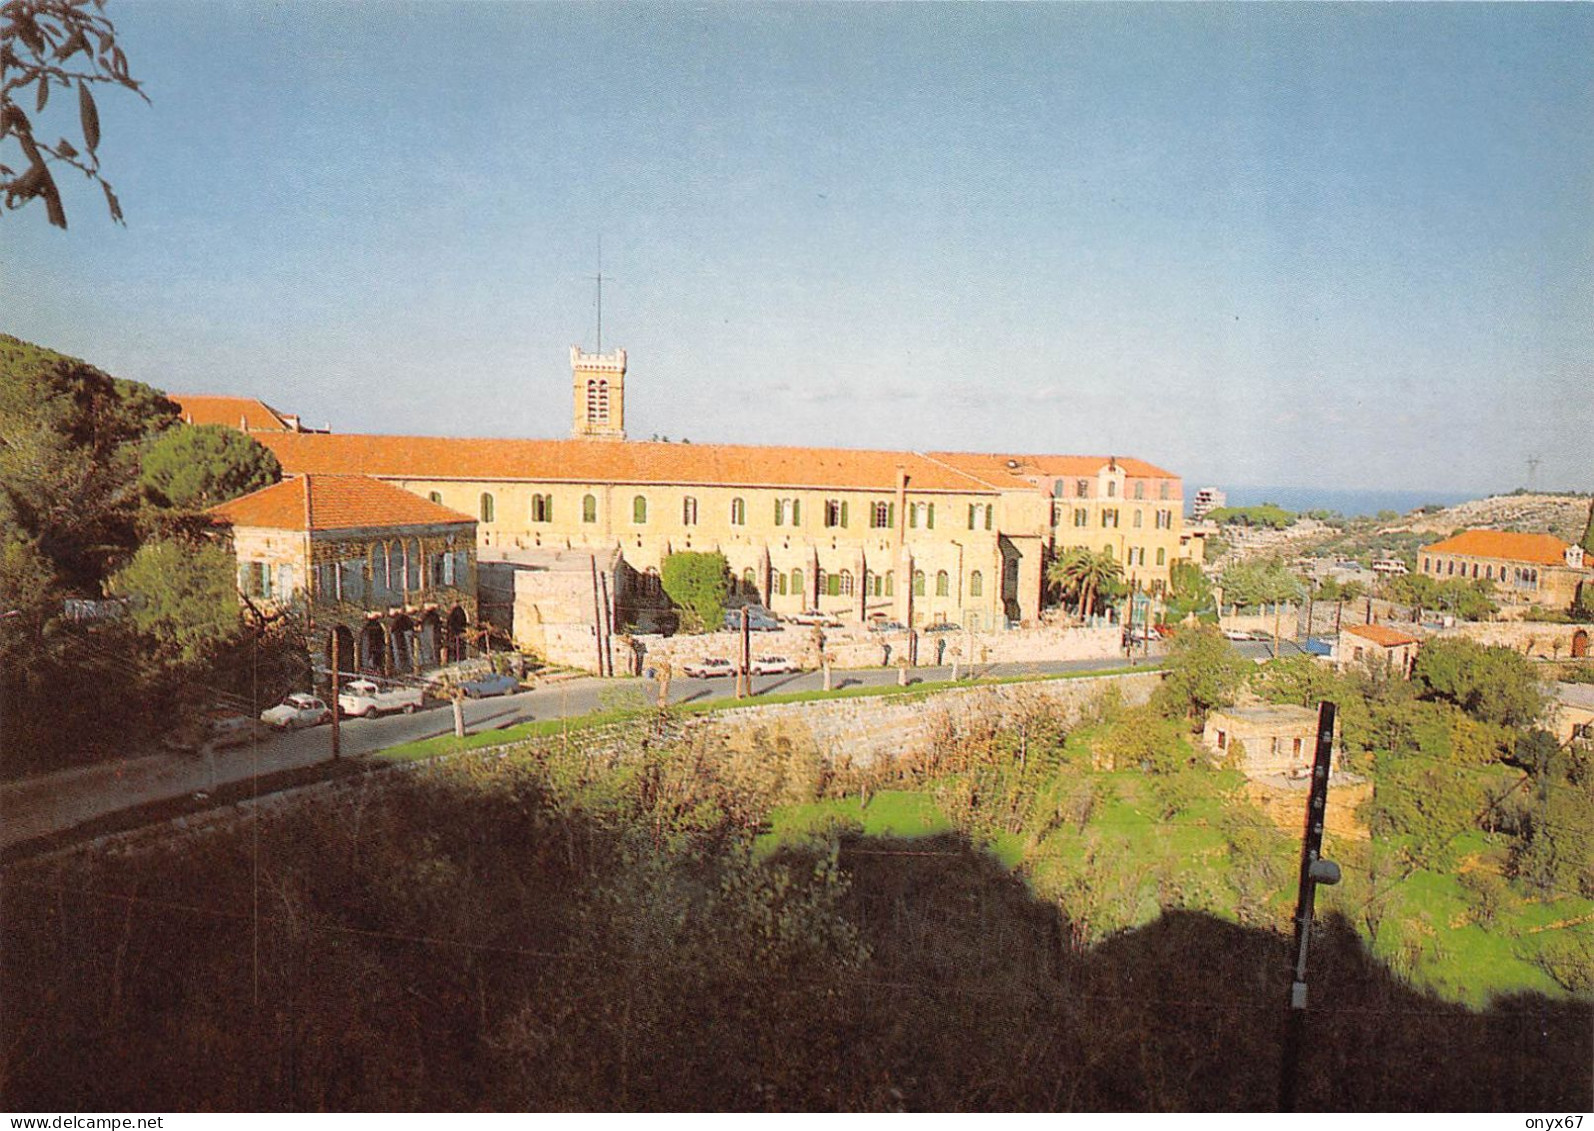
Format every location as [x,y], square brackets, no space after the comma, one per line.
[1083,575]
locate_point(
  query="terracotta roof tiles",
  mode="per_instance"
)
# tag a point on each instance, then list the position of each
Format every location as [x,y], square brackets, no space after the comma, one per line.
[334,502]
[1002,470]
[255,415]
[598,461]
[1382,635]
[1504,545]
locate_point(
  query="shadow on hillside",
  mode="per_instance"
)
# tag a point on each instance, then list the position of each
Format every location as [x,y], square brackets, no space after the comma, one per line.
[1184,1013]
[466,941]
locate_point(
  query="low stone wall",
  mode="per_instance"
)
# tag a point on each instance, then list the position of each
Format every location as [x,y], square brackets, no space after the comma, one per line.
[858,648]
[866,730]
[1536,640]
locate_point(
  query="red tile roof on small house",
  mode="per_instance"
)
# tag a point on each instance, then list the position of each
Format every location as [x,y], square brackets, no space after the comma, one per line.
[334,502]
[1504,545]
[244,413]
[1381,634]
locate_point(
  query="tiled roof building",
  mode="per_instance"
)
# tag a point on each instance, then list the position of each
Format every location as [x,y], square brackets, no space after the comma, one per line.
[386,579]
[918,537]
[1535,569]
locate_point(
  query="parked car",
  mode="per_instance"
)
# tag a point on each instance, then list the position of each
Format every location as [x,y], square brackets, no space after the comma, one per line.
[1238,634]
[364,699]
[815,617]
[887,626]
[297,710]
[773,665]
[759,619]
[709,668]
[486,686]
[944,626]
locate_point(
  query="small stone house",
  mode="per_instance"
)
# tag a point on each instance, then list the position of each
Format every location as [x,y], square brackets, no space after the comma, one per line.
[1375,645]
[1273,738]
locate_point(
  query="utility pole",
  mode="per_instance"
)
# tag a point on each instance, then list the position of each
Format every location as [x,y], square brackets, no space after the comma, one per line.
[744,671]
[1314,871]
[337,662]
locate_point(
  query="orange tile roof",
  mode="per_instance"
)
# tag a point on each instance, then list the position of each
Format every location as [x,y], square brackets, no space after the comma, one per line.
[256,415]
[1382,634]
[1504,545]
[599,461]
[999,469]
[333,502]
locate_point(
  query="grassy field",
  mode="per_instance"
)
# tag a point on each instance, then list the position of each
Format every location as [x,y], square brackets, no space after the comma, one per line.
[1139,863]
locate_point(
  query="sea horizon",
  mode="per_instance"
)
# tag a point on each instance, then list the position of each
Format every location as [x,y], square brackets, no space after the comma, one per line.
[1350,503]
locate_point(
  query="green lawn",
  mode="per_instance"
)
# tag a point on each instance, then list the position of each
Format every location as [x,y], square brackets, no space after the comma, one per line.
[891,813]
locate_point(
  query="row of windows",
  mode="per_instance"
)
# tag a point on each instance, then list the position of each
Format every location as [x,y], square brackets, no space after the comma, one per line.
[1161,519]
[1518,575]
[1137,489]
[788,512]
[874,584]
[1134,555]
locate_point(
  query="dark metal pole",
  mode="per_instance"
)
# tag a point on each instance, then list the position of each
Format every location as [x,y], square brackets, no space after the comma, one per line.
[744,671]
[337,662]
[1314,870]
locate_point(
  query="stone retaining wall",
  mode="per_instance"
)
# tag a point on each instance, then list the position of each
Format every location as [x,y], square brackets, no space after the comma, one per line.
[858,648]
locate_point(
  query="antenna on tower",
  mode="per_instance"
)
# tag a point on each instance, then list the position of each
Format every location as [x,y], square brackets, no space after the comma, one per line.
[1533,473]
[600,294]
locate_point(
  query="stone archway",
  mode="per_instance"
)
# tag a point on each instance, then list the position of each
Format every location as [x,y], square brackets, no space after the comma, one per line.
[401,646]
[427,640]
[373,648]
[455,641]
[1580,644]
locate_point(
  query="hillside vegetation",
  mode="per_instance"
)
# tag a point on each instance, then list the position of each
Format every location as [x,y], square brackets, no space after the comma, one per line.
[1031,915]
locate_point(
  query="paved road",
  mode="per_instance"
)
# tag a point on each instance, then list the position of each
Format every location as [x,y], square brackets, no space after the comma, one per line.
[50,803]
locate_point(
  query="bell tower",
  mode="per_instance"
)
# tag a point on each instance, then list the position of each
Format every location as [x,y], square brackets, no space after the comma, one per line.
[598,388]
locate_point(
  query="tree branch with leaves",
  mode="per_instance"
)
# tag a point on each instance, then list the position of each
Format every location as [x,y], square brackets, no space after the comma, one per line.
[56,46]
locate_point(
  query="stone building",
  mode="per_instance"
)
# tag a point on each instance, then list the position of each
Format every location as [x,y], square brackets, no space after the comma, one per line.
[1527,569]
[916,537]
[1375,645]
[383,576]
[1272,738]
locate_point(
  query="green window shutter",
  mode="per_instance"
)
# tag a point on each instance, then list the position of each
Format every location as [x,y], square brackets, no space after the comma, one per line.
[929,516]
[844,512]
[796,512]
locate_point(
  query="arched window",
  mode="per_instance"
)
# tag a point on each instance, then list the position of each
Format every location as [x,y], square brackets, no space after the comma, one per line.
[589,508]
[1137,523]
[689,511]
[542,508]
[976,584]
[598,402]
[738,512]
[846,583]
[1112,488]
[797,583]
[918,583]
[1162,556]
[1081,488]
[1140,488]
[749,583]
[943,584]
[780,583]
[487,507]
[412,565]
[435,496]
[639,510]
[378,566]
[830,584]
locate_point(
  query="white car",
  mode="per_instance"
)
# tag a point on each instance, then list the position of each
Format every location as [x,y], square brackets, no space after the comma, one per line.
[297,710]
[363,698]
[708,669]
[815,617]
[773,665]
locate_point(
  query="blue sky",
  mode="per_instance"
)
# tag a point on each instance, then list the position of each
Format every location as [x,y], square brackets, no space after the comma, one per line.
[1344,246]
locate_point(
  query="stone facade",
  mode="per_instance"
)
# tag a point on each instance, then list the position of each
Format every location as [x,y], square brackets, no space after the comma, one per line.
[1274,739]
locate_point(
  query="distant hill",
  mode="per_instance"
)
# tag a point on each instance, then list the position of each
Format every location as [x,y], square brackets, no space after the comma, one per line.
[1561,515]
